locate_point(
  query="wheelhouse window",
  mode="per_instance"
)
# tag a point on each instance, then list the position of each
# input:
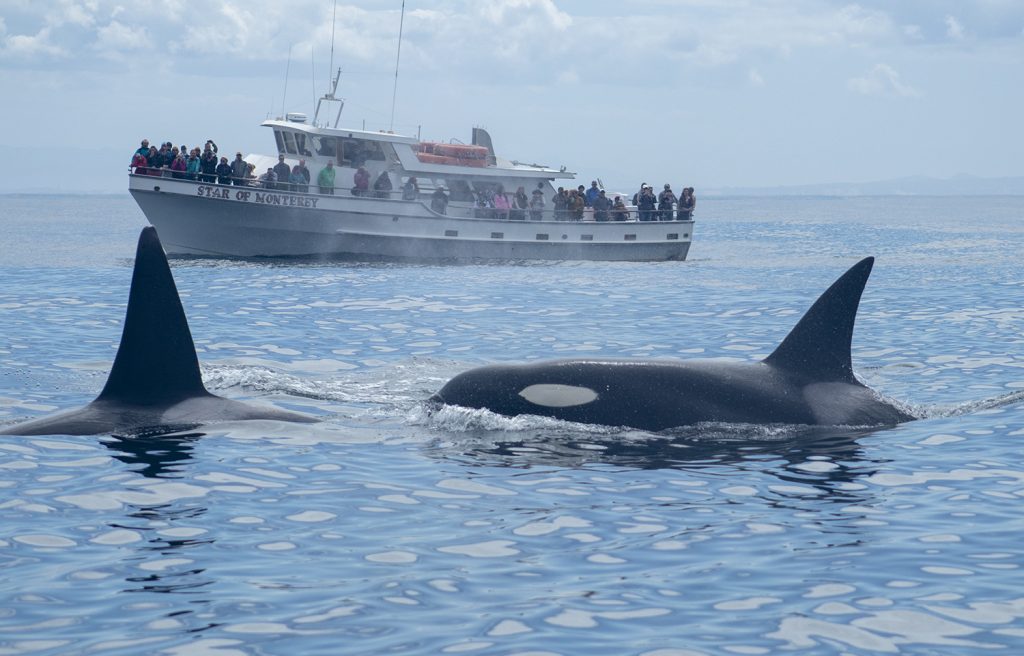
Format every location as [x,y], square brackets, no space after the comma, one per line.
[301,145]
[356,152]
[325,146]
[280,141]
[289,143]
[459,190]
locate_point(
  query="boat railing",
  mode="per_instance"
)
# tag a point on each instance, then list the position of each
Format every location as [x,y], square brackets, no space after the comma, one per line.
[467,208]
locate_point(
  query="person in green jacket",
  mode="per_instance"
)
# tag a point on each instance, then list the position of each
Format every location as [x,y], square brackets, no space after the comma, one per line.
[325,179]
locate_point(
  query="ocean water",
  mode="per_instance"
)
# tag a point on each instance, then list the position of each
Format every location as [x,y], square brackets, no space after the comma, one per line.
[387,529]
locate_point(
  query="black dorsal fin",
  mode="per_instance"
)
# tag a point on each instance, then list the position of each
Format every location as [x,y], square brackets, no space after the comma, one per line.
[818,347]
[156,361]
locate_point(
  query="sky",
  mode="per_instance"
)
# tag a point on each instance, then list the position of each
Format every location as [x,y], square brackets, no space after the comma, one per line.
[703,93]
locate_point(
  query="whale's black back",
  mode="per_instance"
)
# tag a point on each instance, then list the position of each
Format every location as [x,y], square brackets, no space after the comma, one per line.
[156,361]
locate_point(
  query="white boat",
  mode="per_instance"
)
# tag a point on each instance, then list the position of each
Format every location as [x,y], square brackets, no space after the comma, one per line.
[202,218]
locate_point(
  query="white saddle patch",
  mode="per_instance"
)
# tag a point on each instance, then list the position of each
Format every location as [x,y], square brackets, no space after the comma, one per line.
[558,396]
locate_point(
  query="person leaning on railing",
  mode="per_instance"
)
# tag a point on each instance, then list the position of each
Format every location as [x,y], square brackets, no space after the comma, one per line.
[223,172]
[239,170]
[325,179]
[537,203]
[299,177]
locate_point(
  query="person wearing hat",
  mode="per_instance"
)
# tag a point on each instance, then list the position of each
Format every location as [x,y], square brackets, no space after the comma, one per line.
[439,201]
[537,203]
[636,196]
[666,199]
[645,204]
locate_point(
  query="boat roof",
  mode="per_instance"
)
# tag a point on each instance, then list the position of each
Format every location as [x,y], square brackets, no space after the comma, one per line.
[340,132]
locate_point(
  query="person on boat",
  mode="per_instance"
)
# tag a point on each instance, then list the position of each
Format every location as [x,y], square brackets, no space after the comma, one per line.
[645,205]
[283,172]
[382,185]
[178,166]
[302,184]
[155,161]
[687,203]
[483,206]
[439,201]
[410,190]
[592,193]
[561,202]
[239,169]
[666,199]
[139,164]
[361,182]
[577,203]
[619,210]
[269,179]
[537,203]
[192,164]
[501,204]
[163,154]
[143,149]
[223,172]
[519,204]
[208,162]
[601,206]
[325,179]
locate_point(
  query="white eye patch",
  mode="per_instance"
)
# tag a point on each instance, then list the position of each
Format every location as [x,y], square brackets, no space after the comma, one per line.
[558,396]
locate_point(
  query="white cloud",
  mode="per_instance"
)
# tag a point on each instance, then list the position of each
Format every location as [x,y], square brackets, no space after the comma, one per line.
[954,29]
[117,37]
[24,46]
[882,80]
[755,78]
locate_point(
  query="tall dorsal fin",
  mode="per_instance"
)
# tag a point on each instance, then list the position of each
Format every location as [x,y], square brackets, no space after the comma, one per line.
[156,361]
[818,347]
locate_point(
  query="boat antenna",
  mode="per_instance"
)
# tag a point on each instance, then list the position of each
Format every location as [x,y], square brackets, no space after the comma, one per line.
[329,96]
[334,25]
[287,70]
[398,58]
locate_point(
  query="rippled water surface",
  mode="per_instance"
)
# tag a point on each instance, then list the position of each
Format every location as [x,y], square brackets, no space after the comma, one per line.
[390,529]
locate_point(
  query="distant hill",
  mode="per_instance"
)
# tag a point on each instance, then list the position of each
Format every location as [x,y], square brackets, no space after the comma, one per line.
[960,185]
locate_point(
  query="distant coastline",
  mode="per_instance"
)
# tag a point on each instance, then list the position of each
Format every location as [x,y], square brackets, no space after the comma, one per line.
[960,185]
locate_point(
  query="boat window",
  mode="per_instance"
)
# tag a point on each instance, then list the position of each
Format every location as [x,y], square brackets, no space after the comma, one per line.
[356,152]
[324,146]
[289,143]
[280,141]
[300,142]
[459,190]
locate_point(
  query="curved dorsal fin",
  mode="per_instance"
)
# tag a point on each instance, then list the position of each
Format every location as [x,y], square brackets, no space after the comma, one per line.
[156,361]
[818,347]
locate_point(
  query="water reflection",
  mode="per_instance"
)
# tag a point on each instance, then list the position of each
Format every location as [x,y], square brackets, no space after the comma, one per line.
[159,454]
[830,459]
[162,562]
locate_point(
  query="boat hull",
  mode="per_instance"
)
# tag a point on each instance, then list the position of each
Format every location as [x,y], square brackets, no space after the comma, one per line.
[200,219]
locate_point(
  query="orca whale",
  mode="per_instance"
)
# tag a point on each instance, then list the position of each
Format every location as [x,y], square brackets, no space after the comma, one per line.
[808,379]
[155,380]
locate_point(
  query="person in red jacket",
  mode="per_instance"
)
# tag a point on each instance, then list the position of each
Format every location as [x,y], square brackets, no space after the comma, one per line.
[361,181]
